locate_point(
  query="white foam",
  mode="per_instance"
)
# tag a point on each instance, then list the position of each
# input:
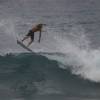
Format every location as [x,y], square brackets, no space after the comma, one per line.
[82,59]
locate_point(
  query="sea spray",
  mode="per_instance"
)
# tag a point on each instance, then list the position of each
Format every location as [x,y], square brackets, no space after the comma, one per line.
[78,54]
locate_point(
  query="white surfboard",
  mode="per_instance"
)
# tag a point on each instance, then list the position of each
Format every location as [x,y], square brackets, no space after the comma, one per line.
[24,46]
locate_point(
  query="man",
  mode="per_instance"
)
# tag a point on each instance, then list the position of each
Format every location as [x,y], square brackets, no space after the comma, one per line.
[36,28]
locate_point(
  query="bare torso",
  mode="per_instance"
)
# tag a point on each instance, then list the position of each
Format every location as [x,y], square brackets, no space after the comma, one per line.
[36,28]
[30,34]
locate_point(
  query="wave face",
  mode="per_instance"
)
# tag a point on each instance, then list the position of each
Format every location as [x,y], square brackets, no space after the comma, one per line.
[27,76]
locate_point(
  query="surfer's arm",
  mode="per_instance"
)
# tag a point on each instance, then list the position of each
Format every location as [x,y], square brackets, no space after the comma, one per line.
[40,36]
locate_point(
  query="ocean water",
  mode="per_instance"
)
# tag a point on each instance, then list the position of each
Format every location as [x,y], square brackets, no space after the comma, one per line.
[65,65]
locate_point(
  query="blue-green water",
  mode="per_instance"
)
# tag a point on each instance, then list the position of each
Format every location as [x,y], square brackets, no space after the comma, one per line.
[30,76]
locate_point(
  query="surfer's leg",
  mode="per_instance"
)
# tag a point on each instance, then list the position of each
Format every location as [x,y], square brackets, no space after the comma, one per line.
[32,39]
[26,37]
[29,43]
[32,36]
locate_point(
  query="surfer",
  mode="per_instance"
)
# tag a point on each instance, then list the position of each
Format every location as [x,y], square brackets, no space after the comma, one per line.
[30,34]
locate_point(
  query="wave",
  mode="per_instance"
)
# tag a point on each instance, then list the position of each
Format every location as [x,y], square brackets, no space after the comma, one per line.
[81,62]
[30,74]
[72,49]
[13,61]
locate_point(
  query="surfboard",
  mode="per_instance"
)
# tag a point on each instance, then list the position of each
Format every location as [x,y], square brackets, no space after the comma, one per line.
[24,46]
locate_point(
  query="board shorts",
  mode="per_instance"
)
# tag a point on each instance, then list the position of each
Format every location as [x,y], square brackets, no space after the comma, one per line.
[31,34]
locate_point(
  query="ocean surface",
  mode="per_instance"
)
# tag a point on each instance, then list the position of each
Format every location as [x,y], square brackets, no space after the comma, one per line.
[65,65]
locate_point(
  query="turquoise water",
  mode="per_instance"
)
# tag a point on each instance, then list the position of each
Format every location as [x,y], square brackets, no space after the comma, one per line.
[28,76]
